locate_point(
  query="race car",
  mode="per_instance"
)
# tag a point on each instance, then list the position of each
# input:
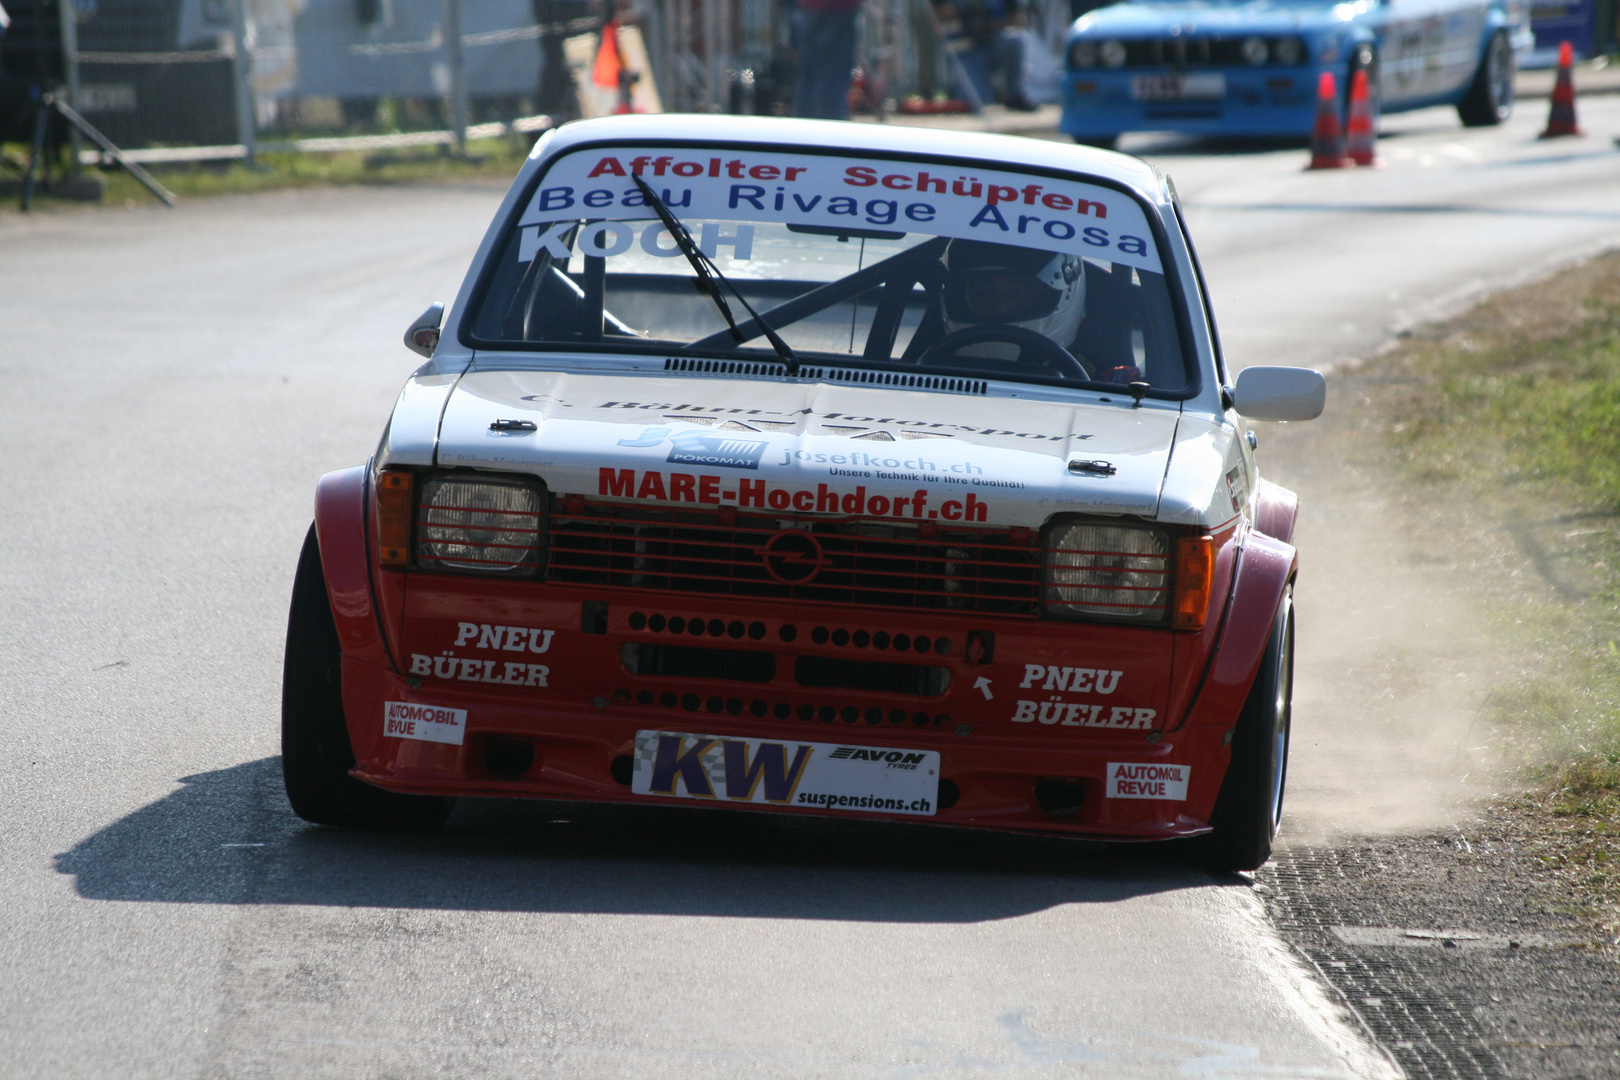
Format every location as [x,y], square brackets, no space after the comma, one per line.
[1252,68]
[813,468]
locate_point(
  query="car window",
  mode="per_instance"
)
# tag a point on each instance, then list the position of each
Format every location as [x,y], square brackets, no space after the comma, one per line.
[1202,288]
[854,261]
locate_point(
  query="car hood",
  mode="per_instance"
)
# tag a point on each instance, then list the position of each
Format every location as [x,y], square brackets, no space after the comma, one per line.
[1258,16]
[807,446]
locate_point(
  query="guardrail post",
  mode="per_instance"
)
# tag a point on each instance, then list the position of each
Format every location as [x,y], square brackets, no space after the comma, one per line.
[455,51]
[242,66]
[67,17]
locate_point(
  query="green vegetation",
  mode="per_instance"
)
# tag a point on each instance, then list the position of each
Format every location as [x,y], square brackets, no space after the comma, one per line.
[1542,406]
[1577,809]
[1510,417]
[490,159]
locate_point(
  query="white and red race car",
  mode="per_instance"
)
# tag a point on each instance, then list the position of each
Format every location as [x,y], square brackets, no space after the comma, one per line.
[821,468]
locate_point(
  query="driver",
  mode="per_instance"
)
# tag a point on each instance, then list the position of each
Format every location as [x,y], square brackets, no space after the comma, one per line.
[1038,290]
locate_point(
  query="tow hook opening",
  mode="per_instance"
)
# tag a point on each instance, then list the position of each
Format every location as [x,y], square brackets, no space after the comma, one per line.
[508,756]
[1060,798]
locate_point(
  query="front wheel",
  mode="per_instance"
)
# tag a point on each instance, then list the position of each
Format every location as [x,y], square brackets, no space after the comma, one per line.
[1249,808]
[1490,98]
[316,755]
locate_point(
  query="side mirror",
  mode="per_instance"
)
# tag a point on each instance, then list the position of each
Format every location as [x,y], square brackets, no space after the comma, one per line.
[423,335]
[1279,393]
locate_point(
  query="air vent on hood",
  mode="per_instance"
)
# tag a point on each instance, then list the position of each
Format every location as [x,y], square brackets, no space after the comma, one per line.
[847,375]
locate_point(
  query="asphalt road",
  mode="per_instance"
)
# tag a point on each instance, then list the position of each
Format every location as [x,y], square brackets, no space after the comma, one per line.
[176,382]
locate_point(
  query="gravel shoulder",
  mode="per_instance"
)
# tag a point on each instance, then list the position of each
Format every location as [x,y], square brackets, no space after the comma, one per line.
[1454,950]
[1488,947]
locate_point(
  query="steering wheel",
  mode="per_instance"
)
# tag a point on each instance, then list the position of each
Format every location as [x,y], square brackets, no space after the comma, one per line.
[1035,350]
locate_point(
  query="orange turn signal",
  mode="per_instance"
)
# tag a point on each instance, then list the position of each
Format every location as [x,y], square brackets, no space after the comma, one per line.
[394,517]
[1195,574]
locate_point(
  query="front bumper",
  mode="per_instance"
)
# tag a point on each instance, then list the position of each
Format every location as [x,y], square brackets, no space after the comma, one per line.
[564,687]
[1275,102]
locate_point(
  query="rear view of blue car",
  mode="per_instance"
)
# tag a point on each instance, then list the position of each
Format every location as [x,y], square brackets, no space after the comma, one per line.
[1252,68]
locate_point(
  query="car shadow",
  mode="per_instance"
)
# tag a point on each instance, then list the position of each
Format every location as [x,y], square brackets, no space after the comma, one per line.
[229,837]
[1169,142]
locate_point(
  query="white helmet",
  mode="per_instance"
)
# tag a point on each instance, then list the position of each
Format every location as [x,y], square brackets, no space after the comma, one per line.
[1042,291]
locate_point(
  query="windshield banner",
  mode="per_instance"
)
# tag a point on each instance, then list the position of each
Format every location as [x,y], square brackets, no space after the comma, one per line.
[825,192]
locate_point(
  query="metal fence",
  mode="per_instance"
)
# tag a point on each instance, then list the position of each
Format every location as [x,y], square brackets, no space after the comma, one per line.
[178,79]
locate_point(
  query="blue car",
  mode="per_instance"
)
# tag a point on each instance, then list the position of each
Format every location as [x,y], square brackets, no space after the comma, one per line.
[1251,68]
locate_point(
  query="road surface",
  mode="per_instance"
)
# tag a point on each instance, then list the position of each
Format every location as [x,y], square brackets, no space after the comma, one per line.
[176,382]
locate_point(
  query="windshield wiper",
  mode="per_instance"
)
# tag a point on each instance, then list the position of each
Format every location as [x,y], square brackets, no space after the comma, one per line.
[707,274]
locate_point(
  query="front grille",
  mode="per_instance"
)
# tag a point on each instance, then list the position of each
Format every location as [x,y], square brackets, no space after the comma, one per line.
[872,713]
[685,662]
[858,562]
[833,672]
[1182,52]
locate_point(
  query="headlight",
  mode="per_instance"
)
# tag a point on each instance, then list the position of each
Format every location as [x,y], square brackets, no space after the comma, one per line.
[1112,53]
[1288,50]
[486,526]
[1255,51]
[1083,54]
[1128,573]
[1119,572]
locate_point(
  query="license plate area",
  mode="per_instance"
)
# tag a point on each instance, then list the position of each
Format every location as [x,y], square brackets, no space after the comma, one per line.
[1179,86]
[787,773]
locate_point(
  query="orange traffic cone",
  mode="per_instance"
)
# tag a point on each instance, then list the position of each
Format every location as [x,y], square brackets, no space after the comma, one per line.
[1361,140]
[605,72]
[1561,117]
[1327,139]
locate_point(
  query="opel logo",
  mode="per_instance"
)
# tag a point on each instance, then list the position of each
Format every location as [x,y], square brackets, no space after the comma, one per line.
[792,557]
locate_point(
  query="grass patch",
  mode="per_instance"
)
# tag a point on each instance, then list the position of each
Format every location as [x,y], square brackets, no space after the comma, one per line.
[489,159]
[1575,813]
[1509,418]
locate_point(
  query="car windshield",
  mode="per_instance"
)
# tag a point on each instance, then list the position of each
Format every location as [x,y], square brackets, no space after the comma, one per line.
[855,261]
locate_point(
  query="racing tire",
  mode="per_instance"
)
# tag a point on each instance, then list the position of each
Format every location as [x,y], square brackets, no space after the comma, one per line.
[1249,807]
[1489,100]
[1101,142]
[316,755]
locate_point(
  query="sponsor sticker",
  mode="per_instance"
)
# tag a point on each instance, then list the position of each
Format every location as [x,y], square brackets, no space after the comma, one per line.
[1237,488]
[810,775]
[912,427]
[717,490]
[490,637]
[1078,714]
[823,191]
[505,638]
[700,448]
[1133,780]
[1069,679]
[427,723]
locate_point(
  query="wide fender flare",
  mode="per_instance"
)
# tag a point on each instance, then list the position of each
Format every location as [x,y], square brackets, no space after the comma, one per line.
[341,528]
[1275,509]
[1266,568]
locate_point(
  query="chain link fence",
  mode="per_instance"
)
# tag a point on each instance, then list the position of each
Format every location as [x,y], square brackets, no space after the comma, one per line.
[173,80]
